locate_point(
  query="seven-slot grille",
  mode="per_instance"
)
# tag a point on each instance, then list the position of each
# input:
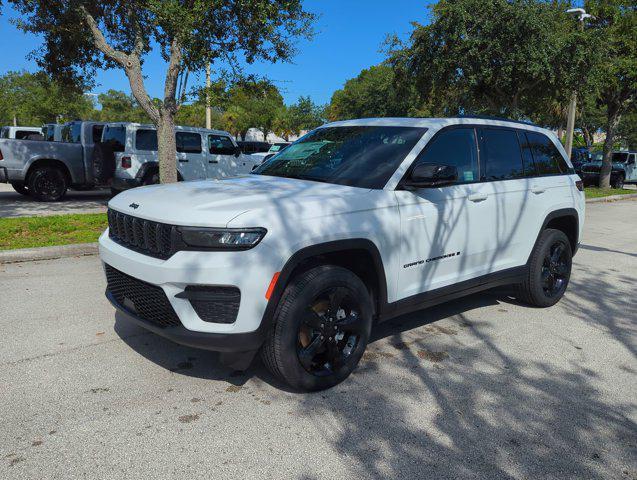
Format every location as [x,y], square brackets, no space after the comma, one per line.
[148,302]
[144,236]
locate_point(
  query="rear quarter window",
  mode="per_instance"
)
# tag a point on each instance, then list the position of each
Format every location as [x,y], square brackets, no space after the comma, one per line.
[146,140]
[548,159]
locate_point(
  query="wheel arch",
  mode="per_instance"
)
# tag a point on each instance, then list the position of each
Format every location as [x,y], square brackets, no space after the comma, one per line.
[566,220]
[150,167]
[49,162]
[361,256]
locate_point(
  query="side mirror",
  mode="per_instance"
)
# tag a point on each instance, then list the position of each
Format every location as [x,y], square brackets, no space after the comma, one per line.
[431,175]
[237,151]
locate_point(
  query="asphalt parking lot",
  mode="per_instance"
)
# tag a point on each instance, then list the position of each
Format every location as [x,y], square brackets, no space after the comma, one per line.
[477,388]
[13,204]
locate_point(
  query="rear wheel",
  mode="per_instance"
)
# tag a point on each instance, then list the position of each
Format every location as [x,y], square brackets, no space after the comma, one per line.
[47,184]
[20,188]
[321,329]
[549,270]
[618,182]
[151,178]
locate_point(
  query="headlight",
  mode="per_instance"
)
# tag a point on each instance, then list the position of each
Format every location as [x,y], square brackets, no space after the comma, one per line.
[222,238]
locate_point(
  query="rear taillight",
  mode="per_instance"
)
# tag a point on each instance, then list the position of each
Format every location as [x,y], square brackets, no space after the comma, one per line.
[126,163]
[580,185]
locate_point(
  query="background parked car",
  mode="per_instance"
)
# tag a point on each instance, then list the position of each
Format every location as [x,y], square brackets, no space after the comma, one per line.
[624,169]
[45,170]
[253,147]
[21,133]
[580,156]
[272,151]
[127,155]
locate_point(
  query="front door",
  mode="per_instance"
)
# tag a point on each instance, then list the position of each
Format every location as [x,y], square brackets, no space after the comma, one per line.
[222,161]
[631,168]
[443,237]
[190,157]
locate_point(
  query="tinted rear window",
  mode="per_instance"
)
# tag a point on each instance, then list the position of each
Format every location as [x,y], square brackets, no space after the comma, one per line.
[548,159]
[115,137]
[188,142]
[502,158]
[72,133]
[146,140]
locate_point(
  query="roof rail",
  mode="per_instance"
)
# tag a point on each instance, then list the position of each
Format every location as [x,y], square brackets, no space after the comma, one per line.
[502,119]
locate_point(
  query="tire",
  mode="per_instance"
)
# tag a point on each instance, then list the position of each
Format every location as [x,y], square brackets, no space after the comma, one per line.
[20,188]
[103,161]
[321,328]
[618,183]
[47,184]
[549,270]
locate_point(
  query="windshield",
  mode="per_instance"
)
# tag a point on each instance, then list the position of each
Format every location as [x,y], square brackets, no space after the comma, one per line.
[358,156]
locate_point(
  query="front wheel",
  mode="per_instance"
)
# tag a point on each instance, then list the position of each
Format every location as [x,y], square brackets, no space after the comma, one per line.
[549,270]
[47,184]
[321,329]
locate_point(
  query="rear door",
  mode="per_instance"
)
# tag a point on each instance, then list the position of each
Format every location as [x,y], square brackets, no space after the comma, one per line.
[190,156]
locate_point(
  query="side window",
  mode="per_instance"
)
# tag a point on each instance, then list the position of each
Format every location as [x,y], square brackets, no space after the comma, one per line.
[49,133]
[115,137]
[23,134]
[547,157]
[146,140]
[220,145]
[527,155]
[97,133]
[188,142]
[501,155]
[455,147]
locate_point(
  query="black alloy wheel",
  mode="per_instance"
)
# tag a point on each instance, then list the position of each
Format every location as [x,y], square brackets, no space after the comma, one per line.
[47,184]
[330,331]
[555,269]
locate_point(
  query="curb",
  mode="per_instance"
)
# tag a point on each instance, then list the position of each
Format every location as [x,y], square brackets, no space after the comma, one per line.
[47,253]
[612,198]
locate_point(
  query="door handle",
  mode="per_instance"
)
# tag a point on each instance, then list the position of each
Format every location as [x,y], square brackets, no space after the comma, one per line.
[478,197]
[183,161]
[537,190]
[213,161]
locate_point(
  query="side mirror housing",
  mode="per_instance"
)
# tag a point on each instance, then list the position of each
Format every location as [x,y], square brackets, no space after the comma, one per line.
[427,175]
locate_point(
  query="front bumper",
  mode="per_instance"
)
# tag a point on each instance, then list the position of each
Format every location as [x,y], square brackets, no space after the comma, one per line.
[249,271]
[218,342]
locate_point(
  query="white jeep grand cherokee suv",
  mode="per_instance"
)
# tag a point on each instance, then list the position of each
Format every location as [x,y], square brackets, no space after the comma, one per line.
[356,222]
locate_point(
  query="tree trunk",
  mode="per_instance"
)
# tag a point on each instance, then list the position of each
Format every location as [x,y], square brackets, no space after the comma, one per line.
[614,116]
[166,146]
[588,136]
[560,132]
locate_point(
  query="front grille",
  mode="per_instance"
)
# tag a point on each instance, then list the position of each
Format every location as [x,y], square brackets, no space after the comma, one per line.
[154,239]
[214,304]
[146,301]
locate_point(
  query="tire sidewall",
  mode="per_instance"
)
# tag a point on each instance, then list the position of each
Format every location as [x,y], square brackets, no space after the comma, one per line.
[289,317]
[57,175]
[548,239]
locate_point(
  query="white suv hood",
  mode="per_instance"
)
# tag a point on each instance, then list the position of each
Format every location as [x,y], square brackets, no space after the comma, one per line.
[216,202]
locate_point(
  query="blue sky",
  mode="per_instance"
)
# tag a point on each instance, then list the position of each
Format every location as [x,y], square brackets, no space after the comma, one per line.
[349,38]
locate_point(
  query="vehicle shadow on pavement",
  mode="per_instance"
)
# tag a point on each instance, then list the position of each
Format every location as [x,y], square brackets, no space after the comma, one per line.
[15,205]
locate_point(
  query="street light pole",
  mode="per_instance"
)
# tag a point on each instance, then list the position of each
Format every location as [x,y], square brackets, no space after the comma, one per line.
[572,106]
[208,107]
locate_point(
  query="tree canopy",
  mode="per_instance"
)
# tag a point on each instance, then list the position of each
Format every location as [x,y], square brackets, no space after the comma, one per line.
[81,36]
